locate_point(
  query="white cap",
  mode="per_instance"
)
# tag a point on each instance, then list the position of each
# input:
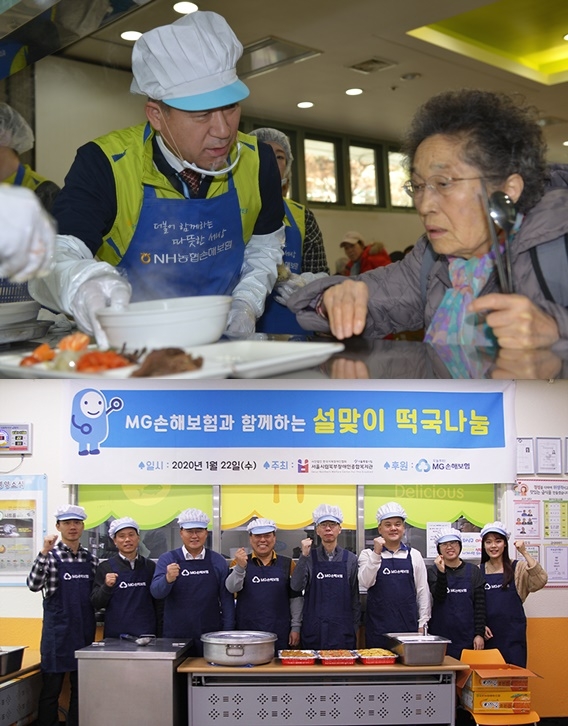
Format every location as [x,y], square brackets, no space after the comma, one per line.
[15,131]
[449,535]
[389,511]
[261,526]
[327,513]
[70,511]
[117,524]
[268,134]
[193,519]
[497,527]
[190,64]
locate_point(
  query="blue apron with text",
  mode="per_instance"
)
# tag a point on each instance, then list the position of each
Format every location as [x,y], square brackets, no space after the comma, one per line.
[68,617]
[277,319]
[454,618]
[391,602]
[185,247]
[192,608]
[263,603]
[131,607]
[505,617]
[327,621]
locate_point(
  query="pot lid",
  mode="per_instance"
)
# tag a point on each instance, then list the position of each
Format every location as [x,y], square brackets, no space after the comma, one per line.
[239,636]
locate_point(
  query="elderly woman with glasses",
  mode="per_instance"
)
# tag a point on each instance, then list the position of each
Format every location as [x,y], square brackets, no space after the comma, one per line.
[463,146]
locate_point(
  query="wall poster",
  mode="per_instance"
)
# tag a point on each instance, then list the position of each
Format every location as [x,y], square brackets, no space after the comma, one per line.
[22,525]
[537,512]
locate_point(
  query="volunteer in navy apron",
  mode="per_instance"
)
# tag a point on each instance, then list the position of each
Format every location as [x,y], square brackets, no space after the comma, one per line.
[122,585]
[505,617]
[391,601]
[263,603]
[328,617]
[192,581]
[277,318]
[199,252]
[458,596]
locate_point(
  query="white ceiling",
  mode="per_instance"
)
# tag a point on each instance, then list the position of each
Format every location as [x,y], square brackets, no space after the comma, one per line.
[347,32]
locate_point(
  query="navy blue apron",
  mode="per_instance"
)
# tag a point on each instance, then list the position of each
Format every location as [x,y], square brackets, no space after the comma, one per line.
[505,617]
[391,601]
[131,607]
[327,621]
[454,618]
[277,319]
[192,608]
[68,617]
[263,603]
[185,247]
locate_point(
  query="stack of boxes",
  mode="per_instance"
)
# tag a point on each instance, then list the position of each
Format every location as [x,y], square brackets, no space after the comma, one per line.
[491,686]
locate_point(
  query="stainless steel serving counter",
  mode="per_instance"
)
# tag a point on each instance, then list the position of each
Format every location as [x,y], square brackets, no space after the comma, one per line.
[121,682]
[308,695]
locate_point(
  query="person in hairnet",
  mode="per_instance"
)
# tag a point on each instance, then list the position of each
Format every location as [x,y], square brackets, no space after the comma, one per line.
[394,575]
[64,572]
[181,205]
[508,583]
[122,585]
[304,254]
[17,137]
[261,583]
[328,576]
[458,596]
[192,581]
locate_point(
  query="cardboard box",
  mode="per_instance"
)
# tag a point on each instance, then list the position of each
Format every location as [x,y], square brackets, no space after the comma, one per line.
[486,701]
[489,672]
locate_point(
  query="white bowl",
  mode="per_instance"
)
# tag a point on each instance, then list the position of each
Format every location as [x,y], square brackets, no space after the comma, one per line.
[178,322]
[18,312]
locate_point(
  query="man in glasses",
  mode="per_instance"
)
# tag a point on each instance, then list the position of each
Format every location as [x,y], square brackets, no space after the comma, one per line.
[328,576]
[261,583]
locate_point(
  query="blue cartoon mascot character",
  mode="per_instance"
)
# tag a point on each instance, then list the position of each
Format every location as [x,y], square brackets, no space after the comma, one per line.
[89,419]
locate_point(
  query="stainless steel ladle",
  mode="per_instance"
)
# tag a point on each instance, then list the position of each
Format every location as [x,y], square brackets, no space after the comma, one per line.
[503,213]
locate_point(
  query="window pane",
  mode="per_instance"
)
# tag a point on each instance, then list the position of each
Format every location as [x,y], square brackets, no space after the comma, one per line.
[321,171]
[397,177]
[363,175]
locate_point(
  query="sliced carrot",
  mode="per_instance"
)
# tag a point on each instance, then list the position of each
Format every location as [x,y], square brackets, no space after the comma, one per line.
[29,360]
[98,361]
[44,352]
[75,341]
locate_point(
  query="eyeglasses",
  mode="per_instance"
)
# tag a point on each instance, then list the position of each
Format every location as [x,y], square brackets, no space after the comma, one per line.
[438,184]
[328,525]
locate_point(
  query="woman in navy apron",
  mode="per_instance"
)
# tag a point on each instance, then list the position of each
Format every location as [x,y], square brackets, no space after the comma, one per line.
[458,594]
[507,584]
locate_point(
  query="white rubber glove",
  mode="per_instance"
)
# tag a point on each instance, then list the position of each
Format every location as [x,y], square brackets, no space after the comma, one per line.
[241,321]
[95,294]
[284,289]
[27,237]
[263,254]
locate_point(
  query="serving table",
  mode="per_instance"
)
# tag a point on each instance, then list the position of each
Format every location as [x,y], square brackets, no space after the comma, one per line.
[19,691]
[332,694]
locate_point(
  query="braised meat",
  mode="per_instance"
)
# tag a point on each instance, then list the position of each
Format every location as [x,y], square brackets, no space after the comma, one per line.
[164,361]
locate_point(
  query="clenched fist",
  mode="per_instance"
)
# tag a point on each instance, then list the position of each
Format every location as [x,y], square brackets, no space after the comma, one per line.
[172,572]
[110,579]
[378,544]
[306,545]
[48,543]
[241,557]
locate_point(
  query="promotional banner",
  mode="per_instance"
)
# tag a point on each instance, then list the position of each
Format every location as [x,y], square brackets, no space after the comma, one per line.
[386,432]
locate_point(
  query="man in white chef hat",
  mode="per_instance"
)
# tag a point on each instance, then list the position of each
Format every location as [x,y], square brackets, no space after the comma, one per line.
[192,581]
[394,575]
[182,205]
[328,575]
[64,572]
[122,585]
[261,582]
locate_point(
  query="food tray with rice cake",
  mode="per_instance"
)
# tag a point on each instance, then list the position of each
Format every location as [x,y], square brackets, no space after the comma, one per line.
[376,656]
[297,657]
[337,657]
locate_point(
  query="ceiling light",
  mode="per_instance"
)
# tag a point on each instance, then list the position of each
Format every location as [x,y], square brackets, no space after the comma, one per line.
[305,104]
[566,36]
[132,35]
[372,64]
[565,143]
[270,53]
[353,91]
[185,8]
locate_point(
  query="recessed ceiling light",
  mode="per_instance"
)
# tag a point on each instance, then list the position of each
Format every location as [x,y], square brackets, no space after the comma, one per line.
[353,91]
[132,35]
[185,8]
[565,143]
[566,36]
[305,104]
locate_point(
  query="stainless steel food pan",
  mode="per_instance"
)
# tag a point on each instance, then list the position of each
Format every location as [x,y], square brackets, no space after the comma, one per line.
[418,649]
[11,657]
[238,647]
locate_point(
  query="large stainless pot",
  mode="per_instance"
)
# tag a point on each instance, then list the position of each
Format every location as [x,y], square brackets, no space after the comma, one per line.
[417,649]
[238,647]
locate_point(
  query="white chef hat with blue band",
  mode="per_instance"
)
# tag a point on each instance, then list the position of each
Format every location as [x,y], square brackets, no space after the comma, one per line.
[390,510]
[70,511]
[327,513]
[122,523]
[496,527]
[193,519]
[261,526]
